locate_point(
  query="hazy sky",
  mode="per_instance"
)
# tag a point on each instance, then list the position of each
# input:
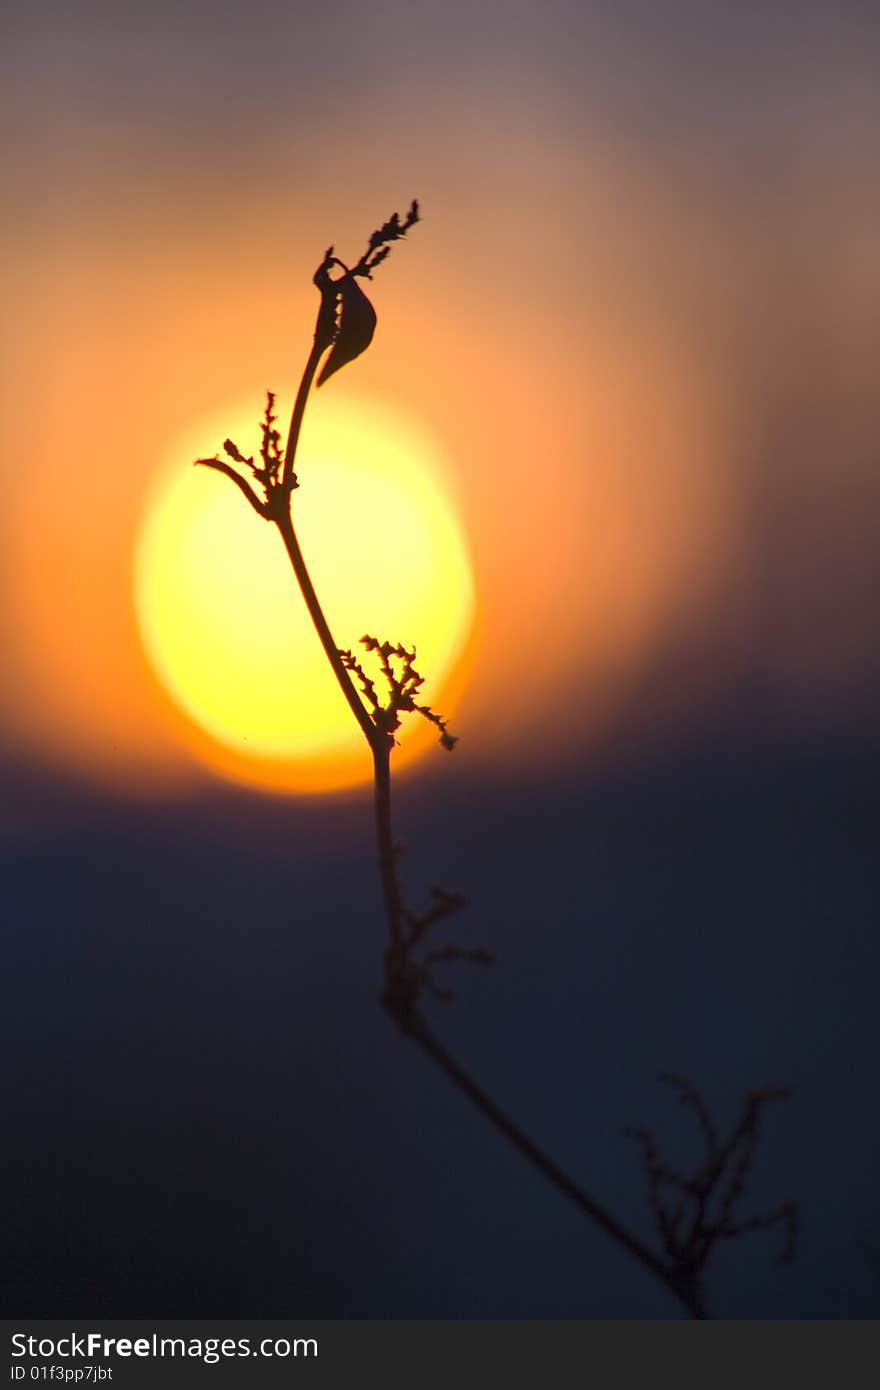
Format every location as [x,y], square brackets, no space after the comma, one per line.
[639,315]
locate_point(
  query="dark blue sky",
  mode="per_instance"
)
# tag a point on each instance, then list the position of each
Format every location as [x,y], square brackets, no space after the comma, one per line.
[208,1113]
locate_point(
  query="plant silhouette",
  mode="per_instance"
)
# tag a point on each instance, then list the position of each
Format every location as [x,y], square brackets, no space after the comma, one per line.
[705,1202]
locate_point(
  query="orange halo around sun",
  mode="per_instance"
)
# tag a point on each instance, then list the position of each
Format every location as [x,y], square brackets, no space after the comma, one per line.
[222,620]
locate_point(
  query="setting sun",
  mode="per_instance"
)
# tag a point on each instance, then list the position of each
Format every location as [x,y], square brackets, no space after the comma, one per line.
[222,620]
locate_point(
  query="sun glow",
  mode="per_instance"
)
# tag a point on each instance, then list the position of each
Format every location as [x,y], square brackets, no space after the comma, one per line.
[224,625]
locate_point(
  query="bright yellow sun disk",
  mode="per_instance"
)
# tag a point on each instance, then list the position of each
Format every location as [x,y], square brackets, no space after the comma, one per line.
[223,622]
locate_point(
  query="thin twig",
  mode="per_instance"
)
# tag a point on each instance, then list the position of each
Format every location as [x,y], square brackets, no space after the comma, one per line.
[299,405]
[220,467]
[291,544]
[417,1029]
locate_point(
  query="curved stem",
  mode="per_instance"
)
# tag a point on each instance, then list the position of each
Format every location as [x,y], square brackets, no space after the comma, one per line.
[331,651]
[416,1028]
[299,406]
[241,483]
[283,520]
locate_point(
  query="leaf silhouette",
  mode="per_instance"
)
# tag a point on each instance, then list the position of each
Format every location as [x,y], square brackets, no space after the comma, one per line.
[357,323]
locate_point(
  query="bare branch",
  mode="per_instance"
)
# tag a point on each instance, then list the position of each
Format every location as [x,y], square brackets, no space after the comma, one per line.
[689,1232]
[220,467]
[689,1095]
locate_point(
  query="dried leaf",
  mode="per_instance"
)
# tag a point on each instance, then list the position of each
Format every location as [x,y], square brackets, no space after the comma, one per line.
[357,323]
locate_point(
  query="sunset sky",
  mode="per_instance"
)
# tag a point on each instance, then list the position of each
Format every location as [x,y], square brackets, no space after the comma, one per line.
[635,339]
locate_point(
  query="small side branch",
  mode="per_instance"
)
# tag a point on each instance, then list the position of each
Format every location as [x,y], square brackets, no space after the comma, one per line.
[241,483]
[693,1210]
